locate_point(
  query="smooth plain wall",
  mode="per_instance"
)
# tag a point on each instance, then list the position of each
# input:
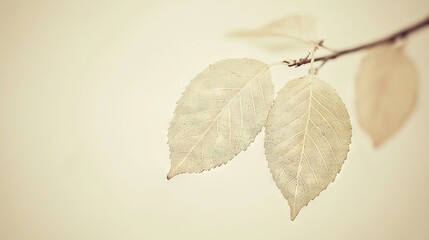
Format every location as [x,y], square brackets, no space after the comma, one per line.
[87,91]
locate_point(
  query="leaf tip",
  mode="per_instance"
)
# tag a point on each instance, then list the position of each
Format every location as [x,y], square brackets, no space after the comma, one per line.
[377,143]
[293,214]
[294,211]
[170,175]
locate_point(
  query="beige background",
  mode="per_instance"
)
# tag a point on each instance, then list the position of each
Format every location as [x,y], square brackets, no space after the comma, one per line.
[87,90]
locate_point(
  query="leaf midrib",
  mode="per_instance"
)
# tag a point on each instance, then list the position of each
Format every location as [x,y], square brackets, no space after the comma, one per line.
[303,146]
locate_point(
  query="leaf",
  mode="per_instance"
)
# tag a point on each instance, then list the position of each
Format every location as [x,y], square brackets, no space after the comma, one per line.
[219,115]
[289,32]
[386,92]
[308,134]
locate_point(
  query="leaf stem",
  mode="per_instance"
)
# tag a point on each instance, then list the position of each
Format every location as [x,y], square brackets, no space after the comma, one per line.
[312,70]
[389,39]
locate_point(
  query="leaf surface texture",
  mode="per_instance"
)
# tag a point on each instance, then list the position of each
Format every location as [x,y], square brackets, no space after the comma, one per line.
[219,115]
[308,134]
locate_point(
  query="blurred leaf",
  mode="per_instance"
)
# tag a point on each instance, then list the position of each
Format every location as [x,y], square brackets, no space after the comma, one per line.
[386,90]
[308,134]
[291,32]
[219,115]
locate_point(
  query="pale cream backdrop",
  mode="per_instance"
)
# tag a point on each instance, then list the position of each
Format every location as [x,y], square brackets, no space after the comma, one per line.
[87,91]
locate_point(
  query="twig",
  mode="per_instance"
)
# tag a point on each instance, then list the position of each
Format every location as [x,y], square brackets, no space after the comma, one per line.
[389,39]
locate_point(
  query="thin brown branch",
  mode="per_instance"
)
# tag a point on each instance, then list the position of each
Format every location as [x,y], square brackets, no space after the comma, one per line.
[389,39]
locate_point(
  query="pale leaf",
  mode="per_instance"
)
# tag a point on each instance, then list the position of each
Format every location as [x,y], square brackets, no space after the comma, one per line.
[219,115]
[284,34]
[308,134]
[386,91]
